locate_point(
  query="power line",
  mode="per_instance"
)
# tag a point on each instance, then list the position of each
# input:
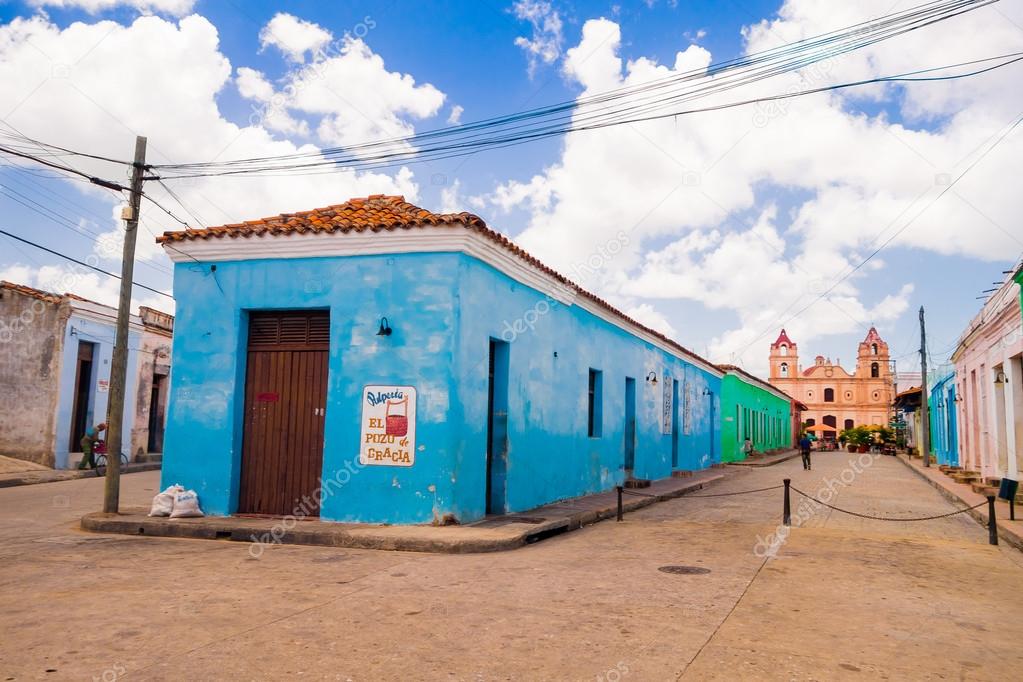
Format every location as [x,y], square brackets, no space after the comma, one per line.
[889,240]
[647,101]
[82,263]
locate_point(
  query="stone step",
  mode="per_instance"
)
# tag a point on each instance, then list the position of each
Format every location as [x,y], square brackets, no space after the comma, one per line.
[984,489]
[681,473]
[637,483]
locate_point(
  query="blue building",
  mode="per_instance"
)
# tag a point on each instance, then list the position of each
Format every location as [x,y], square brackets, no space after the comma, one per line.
[55,357]
[942,404]
[376,362]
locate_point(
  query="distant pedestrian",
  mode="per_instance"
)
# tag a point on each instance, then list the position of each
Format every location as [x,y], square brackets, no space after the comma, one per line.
[804,450]
[89,441]
[747,448]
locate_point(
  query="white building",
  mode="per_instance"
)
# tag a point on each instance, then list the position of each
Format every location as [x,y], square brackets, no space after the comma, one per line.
[989,386]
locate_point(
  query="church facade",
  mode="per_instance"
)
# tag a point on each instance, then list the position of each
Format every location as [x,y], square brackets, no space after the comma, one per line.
[836,398]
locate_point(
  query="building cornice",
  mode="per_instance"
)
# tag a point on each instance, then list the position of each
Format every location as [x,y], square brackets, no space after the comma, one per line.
[447,238]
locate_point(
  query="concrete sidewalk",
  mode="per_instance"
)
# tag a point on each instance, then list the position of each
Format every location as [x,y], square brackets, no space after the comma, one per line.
[1009,531]
[493,534]
[759,460]
[45,475]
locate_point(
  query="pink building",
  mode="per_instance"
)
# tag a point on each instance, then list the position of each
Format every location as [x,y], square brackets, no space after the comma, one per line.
[989,386]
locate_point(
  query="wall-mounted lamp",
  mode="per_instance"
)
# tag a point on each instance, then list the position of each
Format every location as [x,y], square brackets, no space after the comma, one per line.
[652,377]
[957,399]
[1000,378]
[707,391]
[385,328]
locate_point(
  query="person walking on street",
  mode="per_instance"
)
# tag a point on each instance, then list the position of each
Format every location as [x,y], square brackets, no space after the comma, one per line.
[89,441]
[747,448]
[804,450]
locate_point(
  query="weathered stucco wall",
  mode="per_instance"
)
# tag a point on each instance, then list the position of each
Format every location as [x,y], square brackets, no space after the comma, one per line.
[31,350]
[416,292]
[154,361]
[443,309]
[552,347]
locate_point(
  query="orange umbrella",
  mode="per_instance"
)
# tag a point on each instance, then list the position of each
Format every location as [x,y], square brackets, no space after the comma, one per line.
[820,428]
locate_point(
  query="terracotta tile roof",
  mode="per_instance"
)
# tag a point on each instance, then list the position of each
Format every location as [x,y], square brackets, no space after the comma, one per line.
[373,213]
[29,291]
[379,212]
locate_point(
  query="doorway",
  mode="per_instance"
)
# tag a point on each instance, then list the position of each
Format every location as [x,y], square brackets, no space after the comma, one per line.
[156,412]
[83,395]
[285,406]
[630,425]
[497,428]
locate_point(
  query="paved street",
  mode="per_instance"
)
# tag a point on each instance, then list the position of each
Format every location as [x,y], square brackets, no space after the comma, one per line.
[843,598]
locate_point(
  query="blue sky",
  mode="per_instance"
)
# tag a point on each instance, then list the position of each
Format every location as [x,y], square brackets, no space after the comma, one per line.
[779,213]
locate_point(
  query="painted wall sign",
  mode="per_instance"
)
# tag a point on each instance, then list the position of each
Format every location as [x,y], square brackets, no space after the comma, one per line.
[667,405]
[267,397]
[388,426]
[102,385]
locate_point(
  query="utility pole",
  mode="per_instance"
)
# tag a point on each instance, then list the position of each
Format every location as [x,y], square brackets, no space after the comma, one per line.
[925,421]
[119,364]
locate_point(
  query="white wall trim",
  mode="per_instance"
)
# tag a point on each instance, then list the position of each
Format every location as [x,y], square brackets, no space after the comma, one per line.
[448,238]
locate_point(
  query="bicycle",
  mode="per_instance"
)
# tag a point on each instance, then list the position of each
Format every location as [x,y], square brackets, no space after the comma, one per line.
[100,459]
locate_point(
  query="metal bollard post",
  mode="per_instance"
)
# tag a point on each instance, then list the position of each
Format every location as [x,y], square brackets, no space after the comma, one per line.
[619,489]
[786,513]
[992,523]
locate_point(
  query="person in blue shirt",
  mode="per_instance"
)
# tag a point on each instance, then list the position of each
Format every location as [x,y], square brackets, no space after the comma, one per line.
[89,441]
[804,450]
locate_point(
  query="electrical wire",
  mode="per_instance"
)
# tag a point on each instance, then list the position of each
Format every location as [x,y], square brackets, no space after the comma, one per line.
[648,101]
[890,239]
[82,263]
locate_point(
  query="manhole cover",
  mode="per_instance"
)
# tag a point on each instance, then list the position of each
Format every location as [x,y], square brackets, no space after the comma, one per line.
[684,570]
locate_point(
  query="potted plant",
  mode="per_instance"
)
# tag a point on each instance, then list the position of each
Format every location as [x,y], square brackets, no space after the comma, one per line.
[847,439]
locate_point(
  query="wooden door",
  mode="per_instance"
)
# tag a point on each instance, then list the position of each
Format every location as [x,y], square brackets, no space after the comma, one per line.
[285,401]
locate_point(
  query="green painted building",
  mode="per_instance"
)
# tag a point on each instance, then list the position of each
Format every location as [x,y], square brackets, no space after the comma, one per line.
[752,408]
[1019,280]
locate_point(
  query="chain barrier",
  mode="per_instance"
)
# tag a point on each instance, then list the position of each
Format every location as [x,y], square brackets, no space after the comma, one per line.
[627,491]
[885,518]
[741,492]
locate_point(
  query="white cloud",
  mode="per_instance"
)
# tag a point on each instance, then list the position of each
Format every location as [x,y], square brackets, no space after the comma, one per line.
[450,199]
[544,47]
[61,279]
[294,37]
[177,8]
[253,84]
[455,116]
[346,94]
[683,188]
[168,92]
[646,314]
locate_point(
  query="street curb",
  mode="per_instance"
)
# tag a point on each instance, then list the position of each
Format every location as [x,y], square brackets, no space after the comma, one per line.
[433,539]
[756,464]
[58,475]
[1004,533]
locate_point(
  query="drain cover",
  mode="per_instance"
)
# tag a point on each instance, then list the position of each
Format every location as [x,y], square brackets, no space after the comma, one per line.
[684,570]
